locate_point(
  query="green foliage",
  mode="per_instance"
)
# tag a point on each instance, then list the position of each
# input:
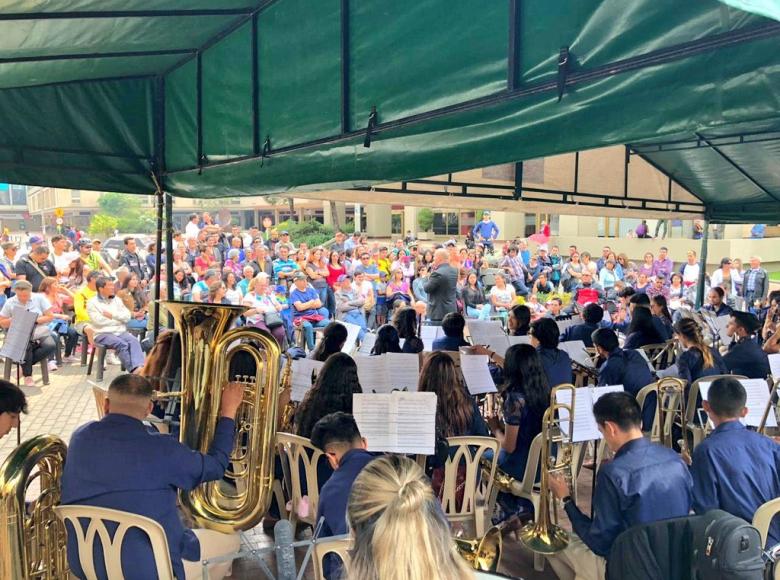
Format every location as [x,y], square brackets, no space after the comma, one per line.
[129,213]
[310,231]
[425,219]
[103,225]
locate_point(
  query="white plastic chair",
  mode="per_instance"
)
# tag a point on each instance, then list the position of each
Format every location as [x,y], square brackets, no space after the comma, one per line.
[655,429]
[762,519]
[692,426]
[338,545]
[295,451]
[112,548]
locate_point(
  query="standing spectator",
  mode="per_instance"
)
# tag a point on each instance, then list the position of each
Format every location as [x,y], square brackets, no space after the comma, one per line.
[516,271]
[723,277]
[486,231]
[284,241]
[109,317]
[758,231]
[661,224]
[441,287]
[755,285]
[349,305]
[132,260]
[308,311]
[690,270]
[663,265]
[8,261]
[35,267]
[41,345]
[192,229]
[338,245]
[284,267]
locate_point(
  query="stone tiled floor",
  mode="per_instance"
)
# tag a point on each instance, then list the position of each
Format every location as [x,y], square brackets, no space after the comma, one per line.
[68,402]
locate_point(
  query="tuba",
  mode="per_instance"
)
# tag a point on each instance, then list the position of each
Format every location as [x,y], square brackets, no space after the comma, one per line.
[484,553]
[671,411]
[208,347]
[32,538]
[543,536]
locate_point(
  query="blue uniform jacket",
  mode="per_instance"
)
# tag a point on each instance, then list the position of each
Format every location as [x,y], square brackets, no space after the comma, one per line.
[449,343]
[581,332]
[644,483]
[746,358]
[629,368]
[118,463]
[335,493]
[736,470]
[557,365]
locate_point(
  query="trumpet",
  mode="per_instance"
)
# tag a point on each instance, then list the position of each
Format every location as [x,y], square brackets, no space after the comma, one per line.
[483,553]
[671,411]
[543,536]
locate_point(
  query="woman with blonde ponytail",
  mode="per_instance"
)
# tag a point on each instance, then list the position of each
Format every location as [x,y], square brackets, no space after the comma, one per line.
[398,527]
[698,360]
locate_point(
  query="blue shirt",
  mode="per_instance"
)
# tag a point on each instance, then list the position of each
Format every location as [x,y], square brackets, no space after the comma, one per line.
[629,368]
[303,296]
[557,365]
[690,365]
[736,470]
[581,332]
[644,483]
[518,413]
[285,266]
[118,463]
[450,343]
[487,230]
[748,359]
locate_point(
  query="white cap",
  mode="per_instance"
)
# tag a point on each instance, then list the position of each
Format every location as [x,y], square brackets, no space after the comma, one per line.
[542,247]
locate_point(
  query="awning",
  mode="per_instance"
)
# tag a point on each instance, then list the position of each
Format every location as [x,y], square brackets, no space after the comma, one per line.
[230,98]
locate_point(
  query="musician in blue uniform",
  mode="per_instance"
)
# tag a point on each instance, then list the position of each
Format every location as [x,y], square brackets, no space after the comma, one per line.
[698,359]
[745,356]
[716,304]
[734,469]
[119,463]
[644,483]
[624,367]
[557,364]
[592,315]
[452,325]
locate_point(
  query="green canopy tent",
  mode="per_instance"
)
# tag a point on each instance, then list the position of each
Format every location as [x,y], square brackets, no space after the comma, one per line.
[202,98]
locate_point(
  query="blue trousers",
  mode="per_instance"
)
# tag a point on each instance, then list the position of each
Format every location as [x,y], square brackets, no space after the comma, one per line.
[356,317]
[126,346]
[482,313]
[308,327]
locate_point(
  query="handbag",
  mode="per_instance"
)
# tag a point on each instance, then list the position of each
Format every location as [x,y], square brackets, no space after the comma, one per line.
[272,319]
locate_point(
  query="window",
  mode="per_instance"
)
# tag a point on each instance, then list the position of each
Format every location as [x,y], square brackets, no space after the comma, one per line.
[18,195]
[397,222]
[445,223]
[467,222]
[75,196]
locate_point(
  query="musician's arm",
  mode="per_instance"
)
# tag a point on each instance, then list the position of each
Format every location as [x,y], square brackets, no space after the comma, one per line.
[705,478]
[600,532]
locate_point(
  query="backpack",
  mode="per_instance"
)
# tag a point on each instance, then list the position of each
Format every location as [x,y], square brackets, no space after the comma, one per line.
[726,547]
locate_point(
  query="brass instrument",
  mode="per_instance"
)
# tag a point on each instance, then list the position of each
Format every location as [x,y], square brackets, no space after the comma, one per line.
[208,347]
[32,538]
[543,536]
[483,553]
[671,410]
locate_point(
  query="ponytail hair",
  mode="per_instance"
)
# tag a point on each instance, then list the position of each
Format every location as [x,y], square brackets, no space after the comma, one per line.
[689,329]
[398,528]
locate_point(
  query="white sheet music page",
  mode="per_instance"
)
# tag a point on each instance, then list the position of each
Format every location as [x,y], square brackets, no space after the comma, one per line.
[428,334]
[372,374]
[369,339]
[757,399]
[353,330]
[398,422]
[403,370]
[374,419]
[477,374]
[720,323]
[302,370]
[488,333]
[577,352]
[564,324]
[774,365]
[585,426]
[524,339]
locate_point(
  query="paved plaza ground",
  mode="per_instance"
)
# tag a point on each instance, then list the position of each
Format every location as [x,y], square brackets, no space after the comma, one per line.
[68,402]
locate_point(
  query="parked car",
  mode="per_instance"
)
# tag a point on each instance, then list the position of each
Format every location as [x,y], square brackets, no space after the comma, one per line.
[114,246]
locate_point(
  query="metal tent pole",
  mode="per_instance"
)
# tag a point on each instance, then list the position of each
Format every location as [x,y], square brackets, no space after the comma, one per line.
[158,262]
[702,265]
[169,252]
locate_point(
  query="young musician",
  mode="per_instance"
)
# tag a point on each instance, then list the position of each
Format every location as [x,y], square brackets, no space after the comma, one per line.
[644,483]
[716,304]
[624,367]
[519,321]
[333,339]
[734,469]
[592,315]
[13,402]
[387,340]
[745,356]
[336,382]
[405,321]
[452,325]
[557,364]
[698,360]
[118,463]
[642,330]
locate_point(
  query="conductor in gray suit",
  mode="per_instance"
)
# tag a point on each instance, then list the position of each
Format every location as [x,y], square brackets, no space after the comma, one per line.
[441,287]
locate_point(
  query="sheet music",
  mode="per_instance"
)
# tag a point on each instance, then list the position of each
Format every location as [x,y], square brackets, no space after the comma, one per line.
[720,325]
[428,334]
[369,339]
[372,375]
[489,333]
[397,422]
[757,399]
[19,334]
[577,352]
[477,374]
[302,371]
[564,324]
[774,366]
[671,371]
[513,340]
[382,374]
[353,330]
[585,426]
[647,359]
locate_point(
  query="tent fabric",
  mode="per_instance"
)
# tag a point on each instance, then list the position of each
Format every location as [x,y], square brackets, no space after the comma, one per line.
[241,97]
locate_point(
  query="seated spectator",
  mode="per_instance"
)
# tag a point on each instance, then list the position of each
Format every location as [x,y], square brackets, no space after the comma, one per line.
[218,293]
[334,337]
[473,296]
[405,322]
[745,356]
[58,297]
[332,391]
[398,292]
[200,290]
[393,510]
[35,266]
[592,315]
[308,310]
[452,325]
[554,307]
[349,306]
[42,344]
[265,311]
[587,290]
[387,340]
[542,285]
[502,296]
[545,336]
[108,317]
[80,299]
[136,301]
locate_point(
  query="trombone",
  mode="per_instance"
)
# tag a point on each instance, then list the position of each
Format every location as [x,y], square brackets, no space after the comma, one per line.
[670,409]
[543,536]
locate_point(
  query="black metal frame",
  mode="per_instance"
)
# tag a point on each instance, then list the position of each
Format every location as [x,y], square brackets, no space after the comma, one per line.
[98,55]
[74,14]
[703,142]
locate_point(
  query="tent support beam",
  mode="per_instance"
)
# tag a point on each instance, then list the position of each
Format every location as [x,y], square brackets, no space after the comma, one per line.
[169,294]
[709,143]
[90,14]
[513,60]
[158,261]
[518,191]
[97,55]
[739,169]
[702,264]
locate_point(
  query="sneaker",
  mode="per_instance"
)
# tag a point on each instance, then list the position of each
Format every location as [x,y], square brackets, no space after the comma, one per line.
[29,382]
[71,359]
[112,359]
[53,366]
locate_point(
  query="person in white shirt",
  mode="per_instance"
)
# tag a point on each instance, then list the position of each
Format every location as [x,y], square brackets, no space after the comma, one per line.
[62,259]
[108,317]
[690,270]
[192,229]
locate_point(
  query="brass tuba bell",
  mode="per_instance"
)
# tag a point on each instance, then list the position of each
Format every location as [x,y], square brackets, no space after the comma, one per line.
[484,553]
[208,346]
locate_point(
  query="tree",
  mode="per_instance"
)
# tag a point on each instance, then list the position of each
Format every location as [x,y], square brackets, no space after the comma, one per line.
[425,219]
[103,225]
[129,212]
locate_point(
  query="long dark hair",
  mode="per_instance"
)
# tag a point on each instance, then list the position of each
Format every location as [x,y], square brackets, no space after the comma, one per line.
[660,301]
[333,338]
[642,321]
[454,408]
[524,373]
[405,322]
[688,329]
[332,392]
[387,340]
[522,314]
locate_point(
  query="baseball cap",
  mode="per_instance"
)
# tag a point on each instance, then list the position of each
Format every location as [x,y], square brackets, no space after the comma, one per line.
[9,245]
[84,242]
[285,233]
[299,276]
[343,277]
[36,239]
[542,247]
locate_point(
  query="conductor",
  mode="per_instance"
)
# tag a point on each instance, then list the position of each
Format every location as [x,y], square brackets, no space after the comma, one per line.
[440,287]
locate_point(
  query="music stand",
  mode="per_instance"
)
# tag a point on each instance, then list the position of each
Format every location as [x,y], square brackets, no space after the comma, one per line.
[17,340]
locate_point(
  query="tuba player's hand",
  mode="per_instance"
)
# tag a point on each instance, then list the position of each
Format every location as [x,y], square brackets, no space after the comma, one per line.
[232,397]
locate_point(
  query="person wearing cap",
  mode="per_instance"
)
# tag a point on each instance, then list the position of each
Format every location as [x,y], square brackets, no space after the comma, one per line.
[284,241]
[755,283]
[90,257]
[349,305]
[724,278]
[35,266]
[308,311]
[108,317]
[42,344]
[745,356]
[486,231]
